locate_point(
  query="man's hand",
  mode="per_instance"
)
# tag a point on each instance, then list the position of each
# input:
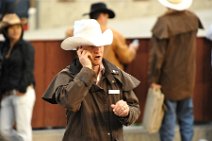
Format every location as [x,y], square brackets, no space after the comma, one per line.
[84,57]
[121,108]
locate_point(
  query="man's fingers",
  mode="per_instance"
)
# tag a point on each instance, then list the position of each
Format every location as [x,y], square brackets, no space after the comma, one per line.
[120,108]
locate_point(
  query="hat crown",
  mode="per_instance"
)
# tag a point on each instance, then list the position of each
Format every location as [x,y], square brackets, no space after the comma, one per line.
[11,19]
[87,32]
[178,5]
[97,6]
[87,28]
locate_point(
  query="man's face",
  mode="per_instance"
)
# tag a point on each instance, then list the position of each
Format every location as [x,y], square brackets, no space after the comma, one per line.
[96,54]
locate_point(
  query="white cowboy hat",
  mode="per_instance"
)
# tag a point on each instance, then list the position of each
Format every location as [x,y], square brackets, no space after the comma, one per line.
[87,32]
[176,4]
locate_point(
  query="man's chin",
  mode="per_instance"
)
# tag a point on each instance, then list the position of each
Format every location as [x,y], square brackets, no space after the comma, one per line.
[97,63]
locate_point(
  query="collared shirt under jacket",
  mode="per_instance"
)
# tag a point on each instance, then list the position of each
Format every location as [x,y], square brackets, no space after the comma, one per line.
[89,113]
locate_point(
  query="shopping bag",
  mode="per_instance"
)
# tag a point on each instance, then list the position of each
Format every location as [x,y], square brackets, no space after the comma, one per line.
[153,110]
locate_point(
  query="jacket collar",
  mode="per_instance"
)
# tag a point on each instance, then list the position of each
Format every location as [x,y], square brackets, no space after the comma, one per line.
[166,25]
[112,74]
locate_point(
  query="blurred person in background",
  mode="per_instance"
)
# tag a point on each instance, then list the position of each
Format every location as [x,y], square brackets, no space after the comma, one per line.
[16,81]
[172,66]
[118,53]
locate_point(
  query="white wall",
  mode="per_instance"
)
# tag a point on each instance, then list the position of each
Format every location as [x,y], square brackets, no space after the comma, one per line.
[53,13]
[134,18]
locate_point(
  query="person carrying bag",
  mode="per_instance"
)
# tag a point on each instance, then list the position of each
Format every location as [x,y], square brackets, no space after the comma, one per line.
[153,110]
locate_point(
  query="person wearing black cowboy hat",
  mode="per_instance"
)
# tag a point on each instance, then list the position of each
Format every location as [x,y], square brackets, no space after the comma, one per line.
[100,7]
[118,53]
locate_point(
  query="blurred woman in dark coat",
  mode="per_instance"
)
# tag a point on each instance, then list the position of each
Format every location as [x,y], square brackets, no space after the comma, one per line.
[16,81]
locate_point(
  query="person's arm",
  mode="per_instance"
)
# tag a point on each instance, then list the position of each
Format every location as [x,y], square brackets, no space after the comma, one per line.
[156,59]
[128,109]
[28,68]
[72,93]
[124,52]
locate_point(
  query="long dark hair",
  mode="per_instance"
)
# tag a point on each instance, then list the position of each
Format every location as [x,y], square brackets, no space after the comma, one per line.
[5,32]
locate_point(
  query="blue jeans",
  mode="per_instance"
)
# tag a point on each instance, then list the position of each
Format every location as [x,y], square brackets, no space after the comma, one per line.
[182,112]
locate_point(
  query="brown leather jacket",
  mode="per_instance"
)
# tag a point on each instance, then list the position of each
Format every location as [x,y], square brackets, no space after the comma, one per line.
[89,114]
[172,57]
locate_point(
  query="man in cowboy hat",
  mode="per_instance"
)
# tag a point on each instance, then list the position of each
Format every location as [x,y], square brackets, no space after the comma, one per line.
[98,96]
[118,53]
[172,66]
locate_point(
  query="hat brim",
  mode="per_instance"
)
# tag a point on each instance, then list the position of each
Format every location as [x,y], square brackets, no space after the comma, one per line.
[108,11]
[185,4]
[71,43]
[4,24]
